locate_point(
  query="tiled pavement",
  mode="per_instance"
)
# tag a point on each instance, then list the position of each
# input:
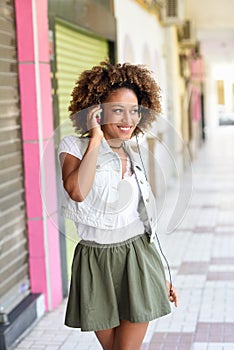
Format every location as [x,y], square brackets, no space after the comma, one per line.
[201,254]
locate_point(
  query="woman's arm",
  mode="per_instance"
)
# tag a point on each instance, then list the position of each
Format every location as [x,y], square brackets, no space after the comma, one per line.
[78,175]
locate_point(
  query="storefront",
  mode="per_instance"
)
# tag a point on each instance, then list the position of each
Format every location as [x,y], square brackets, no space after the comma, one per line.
[29,242]
[14,273]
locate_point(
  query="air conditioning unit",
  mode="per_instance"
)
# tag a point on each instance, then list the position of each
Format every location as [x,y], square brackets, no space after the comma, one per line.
[172,12]
[187,34]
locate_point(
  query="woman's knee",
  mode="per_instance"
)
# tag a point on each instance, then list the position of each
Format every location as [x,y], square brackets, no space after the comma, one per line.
[129,336]
[106,338]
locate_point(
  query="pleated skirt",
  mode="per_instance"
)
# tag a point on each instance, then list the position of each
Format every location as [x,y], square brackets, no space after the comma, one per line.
[113,282]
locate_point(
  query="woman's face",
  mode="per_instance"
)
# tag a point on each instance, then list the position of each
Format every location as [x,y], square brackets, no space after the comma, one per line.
[121,114]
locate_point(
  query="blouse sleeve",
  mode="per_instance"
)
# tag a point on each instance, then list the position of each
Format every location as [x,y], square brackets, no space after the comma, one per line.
[69,145]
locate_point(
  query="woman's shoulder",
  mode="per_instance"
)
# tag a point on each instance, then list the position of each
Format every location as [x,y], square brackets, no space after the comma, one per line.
[73,143]
[69,139]
[74,140]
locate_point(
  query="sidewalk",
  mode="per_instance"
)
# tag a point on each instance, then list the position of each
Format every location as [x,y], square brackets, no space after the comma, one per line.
[201,254]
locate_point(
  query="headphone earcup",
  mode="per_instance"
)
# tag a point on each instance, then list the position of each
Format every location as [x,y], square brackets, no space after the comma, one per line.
[102,117]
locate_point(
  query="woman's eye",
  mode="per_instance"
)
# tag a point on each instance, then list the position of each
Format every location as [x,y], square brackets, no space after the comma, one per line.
[118,110]
[134,111]
[121,111]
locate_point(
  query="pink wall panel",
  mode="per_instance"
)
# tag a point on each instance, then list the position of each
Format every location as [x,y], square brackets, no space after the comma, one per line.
[46,101]
[54,258]
[36,239]
[37,272]
[43,31]
[50,193]
[32,180]
[28,101]
[24,30]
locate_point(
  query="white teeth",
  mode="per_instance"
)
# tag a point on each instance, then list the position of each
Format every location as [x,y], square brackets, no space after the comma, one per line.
[125,129]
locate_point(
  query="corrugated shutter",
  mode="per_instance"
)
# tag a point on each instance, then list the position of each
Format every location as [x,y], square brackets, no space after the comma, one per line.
[14,280]
[75,52]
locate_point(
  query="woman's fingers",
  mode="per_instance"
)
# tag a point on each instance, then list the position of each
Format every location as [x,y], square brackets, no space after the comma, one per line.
[94,117]
[173,297]
[172,294]
[93,121]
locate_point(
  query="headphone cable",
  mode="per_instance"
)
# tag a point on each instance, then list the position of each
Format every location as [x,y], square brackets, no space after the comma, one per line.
[158,241]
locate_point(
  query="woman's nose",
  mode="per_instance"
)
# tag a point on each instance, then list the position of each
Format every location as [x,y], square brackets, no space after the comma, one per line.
[127,118]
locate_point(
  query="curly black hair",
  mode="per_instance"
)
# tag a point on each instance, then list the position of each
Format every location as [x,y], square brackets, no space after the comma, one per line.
[94,86]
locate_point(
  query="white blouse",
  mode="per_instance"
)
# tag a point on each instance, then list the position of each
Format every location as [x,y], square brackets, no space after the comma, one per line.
[127,223]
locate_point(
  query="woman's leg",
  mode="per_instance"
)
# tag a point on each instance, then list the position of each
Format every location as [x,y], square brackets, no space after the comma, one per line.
[129,336]
[106,338]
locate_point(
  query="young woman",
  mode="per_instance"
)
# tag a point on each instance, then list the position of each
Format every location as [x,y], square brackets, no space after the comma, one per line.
[118,282]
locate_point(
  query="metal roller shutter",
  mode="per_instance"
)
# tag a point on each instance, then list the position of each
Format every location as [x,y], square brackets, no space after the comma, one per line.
[75,52]
[14,278]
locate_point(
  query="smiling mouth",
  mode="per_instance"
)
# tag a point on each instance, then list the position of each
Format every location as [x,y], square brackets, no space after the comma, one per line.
[124,128]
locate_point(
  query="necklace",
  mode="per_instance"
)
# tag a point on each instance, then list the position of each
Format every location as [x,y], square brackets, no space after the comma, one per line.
[117,147]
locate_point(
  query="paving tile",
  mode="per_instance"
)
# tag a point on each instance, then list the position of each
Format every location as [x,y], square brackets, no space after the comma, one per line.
[184,346]
[228,346]
[144,347]
[214,346]
[172,338]
[186,338]
[226,260]
[26,344]
[199,346]
[221,268]
[170,347]
[68,346]
[191,268]
[204,229]
[225,229]
[199,249]
[228,338]
[220,275]
[152,347]
[158,337]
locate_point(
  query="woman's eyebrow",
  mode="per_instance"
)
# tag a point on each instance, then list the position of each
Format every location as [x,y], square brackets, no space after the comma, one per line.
[117,105]
[120,105]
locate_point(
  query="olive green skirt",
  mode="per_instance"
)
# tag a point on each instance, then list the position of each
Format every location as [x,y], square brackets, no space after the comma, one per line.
[113,282]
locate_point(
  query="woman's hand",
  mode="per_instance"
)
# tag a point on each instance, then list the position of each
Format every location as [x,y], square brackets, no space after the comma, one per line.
[93,122]
[78,174]
[172,294]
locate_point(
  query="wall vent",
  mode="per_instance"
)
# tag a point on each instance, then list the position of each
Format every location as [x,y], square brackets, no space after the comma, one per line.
[187,34]
[173,12]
